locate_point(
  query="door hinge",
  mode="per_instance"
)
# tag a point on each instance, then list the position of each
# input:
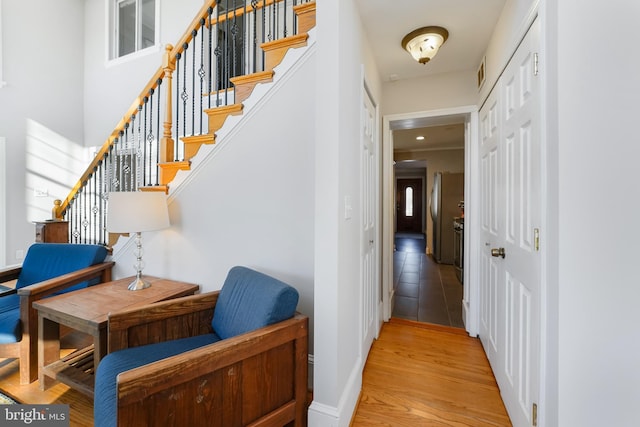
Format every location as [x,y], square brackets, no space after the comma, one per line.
[535,64]
[534,415]
[536,239]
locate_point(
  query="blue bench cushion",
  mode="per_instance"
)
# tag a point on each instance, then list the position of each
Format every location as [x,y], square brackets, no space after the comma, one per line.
[250,300]
[48,260]
[105,404]
[45,261]
[10,326]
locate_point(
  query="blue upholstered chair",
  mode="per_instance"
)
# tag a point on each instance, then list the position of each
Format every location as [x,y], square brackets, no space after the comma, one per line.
[47,269]
[179,362]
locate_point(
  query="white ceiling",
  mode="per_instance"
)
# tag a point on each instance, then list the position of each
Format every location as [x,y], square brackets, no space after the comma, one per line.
[470,24]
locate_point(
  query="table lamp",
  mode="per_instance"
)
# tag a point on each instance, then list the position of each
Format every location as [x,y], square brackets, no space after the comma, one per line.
[135,212]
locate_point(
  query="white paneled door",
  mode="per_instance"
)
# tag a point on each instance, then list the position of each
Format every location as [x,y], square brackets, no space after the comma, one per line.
[510,222]
[369,259]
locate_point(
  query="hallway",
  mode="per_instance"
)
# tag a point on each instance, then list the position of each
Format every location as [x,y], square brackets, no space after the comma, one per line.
[424,375]
[425,291]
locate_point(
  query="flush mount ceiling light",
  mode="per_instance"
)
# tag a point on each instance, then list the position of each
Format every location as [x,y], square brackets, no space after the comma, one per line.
[423,43]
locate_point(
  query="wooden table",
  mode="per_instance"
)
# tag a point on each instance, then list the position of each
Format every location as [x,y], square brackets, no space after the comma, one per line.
[87,310]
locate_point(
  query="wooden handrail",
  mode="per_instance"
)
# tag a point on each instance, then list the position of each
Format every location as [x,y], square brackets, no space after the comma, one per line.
[168,60]
[240,11]
[163,75]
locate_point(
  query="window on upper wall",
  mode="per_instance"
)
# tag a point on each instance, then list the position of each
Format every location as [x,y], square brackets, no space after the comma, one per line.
[133,26]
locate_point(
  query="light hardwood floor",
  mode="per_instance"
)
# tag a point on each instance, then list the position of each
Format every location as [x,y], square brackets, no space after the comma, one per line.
[417,374]
[80,406]
[428,375]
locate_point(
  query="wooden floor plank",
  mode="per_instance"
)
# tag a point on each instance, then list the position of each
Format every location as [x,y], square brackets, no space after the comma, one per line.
[421,376]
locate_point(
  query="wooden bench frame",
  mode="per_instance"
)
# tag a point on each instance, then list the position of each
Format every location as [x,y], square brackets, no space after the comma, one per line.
[27,349]
[255,379]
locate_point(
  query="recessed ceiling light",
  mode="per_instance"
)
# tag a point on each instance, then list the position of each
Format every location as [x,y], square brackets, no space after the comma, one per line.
[419,138]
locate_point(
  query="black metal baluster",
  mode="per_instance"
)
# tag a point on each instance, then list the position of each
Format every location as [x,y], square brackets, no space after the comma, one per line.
[274,30]
[264,29]
[178,58]
[132,154]
[85,222]
[194,33]
[139,149]
[218,53]
[254,5]
[158,137]
[101,210]
[70,218]
[226,54]
[111,176]
[116,171]
[284,14]
[185,96]
[78,216]
[234,53]
[148,101]
[210,12]
[121,179]
[277,17]
[105,196]
[245,51]
[150,137]
[144,142]
[94,206]
[295,17]
[126,159]
[201,72]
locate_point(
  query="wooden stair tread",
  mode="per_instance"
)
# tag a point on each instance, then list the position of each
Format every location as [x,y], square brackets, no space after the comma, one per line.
[276,50]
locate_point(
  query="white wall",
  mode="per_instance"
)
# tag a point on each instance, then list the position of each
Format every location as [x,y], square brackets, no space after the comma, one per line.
[338,365]
[596,87]
[42,69]
[248,199]
[111,87]
[429,93]
[61,97]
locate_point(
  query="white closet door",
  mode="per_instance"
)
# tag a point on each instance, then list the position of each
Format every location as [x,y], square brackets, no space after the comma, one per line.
[510,257]
[369,259]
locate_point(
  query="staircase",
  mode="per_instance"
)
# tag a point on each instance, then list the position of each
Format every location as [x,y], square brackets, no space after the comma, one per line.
[202,81]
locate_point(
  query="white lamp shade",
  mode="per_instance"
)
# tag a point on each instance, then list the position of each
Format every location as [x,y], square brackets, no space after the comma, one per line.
[134,211]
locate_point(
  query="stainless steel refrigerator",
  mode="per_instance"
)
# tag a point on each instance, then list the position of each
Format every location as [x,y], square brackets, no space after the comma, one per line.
[447,192]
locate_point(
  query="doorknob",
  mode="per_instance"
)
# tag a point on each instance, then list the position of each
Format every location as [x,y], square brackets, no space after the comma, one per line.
[499,252]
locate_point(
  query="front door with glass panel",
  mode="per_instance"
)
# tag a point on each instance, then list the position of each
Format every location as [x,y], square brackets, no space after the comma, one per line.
[409,205]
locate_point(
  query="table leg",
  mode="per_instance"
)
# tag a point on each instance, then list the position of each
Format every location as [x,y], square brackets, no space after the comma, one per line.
[99,347]
[48,348]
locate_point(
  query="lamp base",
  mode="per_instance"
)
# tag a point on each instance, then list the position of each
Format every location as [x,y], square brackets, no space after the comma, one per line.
[138,284]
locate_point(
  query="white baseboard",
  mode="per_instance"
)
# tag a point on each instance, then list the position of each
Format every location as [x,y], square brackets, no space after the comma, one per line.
[323,415]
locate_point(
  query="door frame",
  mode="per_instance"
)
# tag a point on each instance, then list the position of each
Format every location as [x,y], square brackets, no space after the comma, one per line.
[468,114]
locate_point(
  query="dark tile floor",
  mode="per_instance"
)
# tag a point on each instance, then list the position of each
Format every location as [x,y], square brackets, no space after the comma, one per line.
[425,291]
